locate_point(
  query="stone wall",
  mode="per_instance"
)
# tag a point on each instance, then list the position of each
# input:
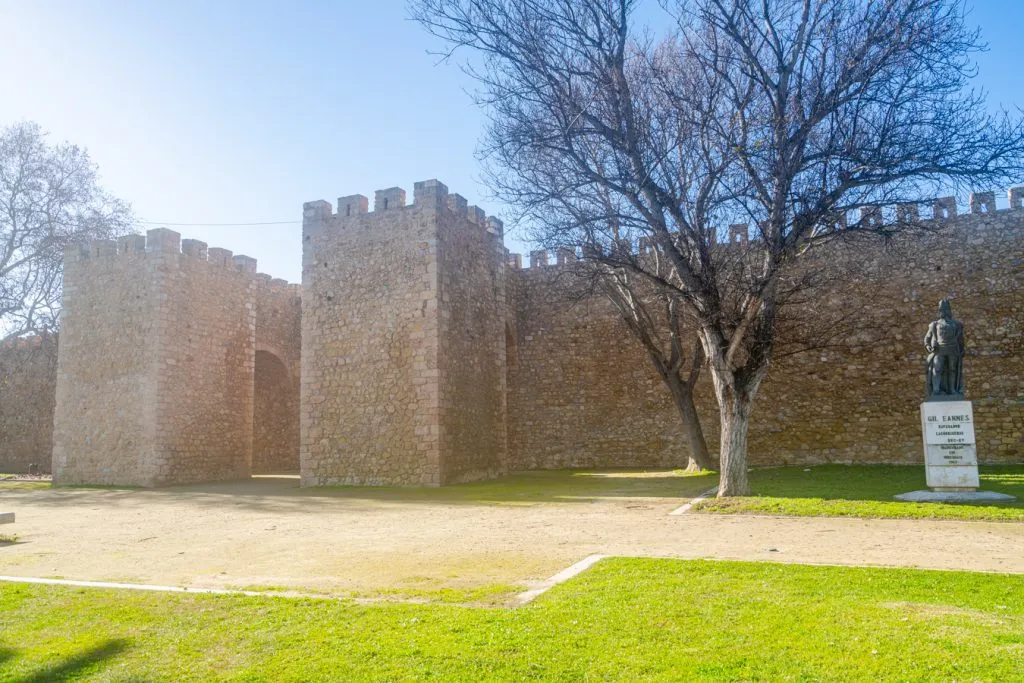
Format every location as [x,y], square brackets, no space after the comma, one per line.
[28,378]
[369,344]
[395,351]
[206,333]
[427,357]
[471,344]
[276,376]
[583,393]
[104,418]
[155,369]
[275,446]
[860,403]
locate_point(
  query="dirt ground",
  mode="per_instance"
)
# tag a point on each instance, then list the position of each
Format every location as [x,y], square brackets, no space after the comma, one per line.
[269,533]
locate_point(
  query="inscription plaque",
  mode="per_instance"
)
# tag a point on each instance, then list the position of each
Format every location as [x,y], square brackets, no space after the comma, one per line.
[950,453]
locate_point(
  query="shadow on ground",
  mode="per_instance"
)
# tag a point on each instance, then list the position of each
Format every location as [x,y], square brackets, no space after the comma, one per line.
[282,492]
[68,668]
[869,482]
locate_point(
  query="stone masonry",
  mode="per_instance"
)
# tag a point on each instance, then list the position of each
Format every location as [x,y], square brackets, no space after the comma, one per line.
[402,341]
[583,394]
[155,373]
[275,445]
[429,356]
[28,380]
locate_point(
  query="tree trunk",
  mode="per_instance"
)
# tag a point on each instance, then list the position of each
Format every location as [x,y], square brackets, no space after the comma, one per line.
[734,410]
[699,457]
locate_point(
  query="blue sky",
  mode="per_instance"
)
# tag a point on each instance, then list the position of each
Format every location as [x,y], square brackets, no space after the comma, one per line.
[234,111]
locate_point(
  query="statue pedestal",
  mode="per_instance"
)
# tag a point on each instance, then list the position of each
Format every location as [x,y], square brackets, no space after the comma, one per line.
[950,453]
[951,456]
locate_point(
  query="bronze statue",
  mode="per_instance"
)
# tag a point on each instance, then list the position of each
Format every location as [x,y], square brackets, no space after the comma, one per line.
[945,345]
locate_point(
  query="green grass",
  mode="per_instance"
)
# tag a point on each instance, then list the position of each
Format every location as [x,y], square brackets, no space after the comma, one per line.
[16,485]
[520,488]
[548,486]
[491,595]
[626,619]
[865,491]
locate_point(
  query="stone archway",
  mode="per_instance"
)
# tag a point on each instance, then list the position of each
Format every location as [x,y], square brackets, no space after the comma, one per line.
[275,442]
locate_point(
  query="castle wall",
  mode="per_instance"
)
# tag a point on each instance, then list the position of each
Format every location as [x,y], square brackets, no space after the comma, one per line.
[155,365]
[28,382]
[582,390]
[860,403]
[584,393]
[276,376]
[402,318]
[471,343]
[427,359]
[205,358]
[104,418]
[275,446]
[370,401]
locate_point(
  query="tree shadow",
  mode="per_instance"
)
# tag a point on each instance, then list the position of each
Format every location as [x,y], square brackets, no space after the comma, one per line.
[6,654]
[66,669]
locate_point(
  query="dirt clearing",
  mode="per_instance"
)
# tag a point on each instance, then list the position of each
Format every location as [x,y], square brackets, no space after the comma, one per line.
[268,534]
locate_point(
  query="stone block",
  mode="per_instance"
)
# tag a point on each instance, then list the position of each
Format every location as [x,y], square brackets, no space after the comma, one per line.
[163,241]
[983,202]
[389,199]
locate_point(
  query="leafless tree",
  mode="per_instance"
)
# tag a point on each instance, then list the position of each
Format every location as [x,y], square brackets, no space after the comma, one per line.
[783,114]
[656,317]
[49,199]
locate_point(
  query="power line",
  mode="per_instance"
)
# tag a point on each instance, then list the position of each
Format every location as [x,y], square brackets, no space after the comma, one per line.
[219,225]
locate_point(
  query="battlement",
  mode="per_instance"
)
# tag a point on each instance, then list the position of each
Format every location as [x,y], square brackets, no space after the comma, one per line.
[427,194]
[274,285]
[944,212]
[162,241]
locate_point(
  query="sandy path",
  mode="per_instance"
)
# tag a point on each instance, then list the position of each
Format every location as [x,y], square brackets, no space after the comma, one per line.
[271,533]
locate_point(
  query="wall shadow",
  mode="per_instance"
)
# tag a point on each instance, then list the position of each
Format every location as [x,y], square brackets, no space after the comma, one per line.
[66,669]
[283,494]
[870,482]
[6,654]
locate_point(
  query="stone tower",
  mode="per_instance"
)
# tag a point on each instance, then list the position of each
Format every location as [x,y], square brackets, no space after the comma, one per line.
[154,370]
[403,341]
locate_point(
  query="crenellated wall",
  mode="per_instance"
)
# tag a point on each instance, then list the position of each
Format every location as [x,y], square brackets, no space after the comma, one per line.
[402,324]
[584,394]
[471,337]
[105,412]
[155,364]
[429,356]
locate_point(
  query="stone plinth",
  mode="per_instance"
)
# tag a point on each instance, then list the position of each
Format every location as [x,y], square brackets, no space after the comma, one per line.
[950,453]
[950,457]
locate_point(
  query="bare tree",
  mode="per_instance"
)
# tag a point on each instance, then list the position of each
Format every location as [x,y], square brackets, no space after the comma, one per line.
[656,318]
[787,114]
[49,199]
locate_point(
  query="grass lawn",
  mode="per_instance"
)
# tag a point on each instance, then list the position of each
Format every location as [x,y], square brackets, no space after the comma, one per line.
[22,485]
[625,619]
[865,491]
[518,488]
[550,486]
